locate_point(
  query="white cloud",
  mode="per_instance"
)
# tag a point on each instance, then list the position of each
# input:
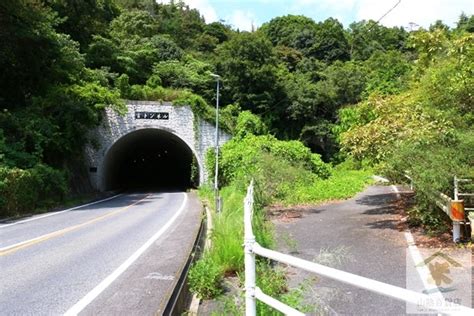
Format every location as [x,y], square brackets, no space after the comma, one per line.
[204,7]
[422,12]
[328,4]
[242,20]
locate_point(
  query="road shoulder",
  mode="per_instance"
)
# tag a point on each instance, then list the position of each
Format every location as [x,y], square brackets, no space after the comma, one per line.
[148,284]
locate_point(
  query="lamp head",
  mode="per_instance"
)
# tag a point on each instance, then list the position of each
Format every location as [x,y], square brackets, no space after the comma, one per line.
[215,76]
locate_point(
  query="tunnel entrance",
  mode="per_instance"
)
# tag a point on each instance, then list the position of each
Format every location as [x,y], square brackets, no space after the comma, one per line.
[150,159]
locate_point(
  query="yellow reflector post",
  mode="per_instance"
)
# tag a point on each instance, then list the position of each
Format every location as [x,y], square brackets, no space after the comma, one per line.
[457,210]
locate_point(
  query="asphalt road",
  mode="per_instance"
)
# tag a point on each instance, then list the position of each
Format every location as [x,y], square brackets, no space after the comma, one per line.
[119,256]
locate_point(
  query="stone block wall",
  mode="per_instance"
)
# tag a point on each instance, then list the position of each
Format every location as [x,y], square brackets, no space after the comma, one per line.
[198,134]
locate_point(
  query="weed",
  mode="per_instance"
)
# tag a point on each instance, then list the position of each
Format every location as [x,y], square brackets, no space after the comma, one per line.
[290,242]
[205,278]
[334,257]
[342,184]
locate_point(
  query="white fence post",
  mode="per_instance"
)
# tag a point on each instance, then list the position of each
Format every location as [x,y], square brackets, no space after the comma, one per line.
[249,241]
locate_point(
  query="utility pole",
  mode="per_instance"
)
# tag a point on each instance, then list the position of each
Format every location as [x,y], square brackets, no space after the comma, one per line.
[216,170]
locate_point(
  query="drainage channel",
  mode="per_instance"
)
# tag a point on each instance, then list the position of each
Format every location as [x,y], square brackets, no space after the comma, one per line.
[181,297]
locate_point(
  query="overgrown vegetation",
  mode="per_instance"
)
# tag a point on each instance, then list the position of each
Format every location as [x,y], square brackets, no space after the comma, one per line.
[285,172]
[426,129]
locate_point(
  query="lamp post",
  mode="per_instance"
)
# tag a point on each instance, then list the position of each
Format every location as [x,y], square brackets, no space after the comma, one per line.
[216,170]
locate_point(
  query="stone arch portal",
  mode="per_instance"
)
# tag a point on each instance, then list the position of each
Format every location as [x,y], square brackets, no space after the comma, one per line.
[153,146]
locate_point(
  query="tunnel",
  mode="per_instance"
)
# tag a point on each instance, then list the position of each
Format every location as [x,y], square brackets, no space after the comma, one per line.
[150,159]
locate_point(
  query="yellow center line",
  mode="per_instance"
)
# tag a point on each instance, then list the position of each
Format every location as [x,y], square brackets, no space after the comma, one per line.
[63,231]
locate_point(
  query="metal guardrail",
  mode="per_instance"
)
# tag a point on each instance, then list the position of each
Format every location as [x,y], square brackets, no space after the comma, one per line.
[253,293]
[454,208]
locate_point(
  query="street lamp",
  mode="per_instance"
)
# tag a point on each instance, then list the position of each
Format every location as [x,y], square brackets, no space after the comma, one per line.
[216,171]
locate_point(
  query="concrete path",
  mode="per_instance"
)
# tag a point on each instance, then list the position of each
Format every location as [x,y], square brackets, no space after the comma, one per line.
[122,256]
[358,236]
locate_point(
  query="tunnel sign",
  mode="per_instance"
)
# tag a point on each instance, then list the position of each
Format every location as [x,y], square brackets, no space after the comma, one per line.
[152,115]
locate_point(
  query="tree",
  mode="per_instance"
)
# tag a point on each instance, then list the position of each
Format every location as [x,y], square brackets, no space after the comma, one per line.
[32,54]
[367,37]
[330,43]
[85,18]
[438,24]
[183,24]
[348,80]
[134,23]
[189,73]
[388,72]
[465,23]
[287,30]
[219,31]
[135,45]
[248,64]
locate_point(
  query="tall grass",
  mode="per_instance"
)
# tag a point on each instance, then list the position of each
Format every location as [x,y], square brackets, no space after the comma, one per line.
[227,235]
[277,180]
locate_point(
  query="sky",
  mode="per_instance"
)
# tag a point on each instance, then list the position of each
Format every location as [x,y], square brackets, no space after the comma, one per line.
[246,14]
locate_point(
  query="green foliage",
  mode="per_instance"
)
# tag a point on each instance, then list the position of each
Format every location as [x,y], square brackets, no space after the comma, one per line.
[342,184]
[369,37]
[397,119]
[427,129]
[348,80]
[228,230]
[448,84]
[388,73]
[285,30]
[84,19]
[134,23]
[248,123]
[33,55]
[320,138]
[248,65]
[188,74]
[353,117]
[205,278]
[330,43]
[434,172]
[23,190]
[225,254]
[465,23]
[180,21]
[241,157]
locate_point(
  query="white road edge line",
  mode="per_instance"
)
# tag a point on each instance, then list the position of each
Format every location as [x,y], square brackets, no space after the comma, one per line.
[56,213]
[423,271]
[86,300]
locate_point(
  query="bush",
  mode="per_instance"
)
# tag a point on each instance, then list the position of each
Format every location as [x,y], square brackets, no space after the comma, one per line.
[342,184]
[433,172]
[205,278]
[51,185]
[17,191]
[22,191]
[241,157]
[248,123]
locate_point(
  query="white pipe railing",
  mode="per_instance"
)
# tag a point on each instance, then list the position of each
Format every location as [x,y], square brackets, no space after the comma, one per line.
[252,292]
[458,194]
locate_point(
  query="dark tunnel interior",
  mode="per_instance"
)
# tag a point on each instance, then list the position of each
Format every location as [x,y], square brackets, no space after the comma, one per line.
[149,159]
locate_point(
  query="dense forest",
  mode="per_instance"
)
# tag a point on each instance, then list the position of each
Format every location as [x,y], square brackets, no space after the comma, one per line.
[389,97]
